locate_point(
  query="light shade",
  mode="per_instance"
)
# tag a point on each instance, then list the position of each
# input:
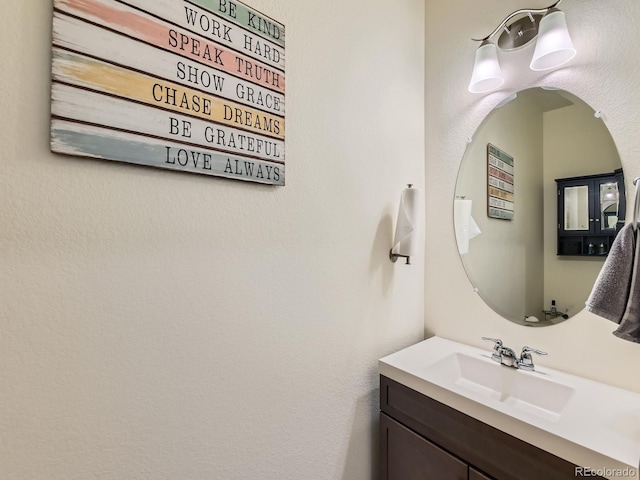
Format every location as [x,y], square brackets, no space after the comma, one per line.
[554,46]
[611,193]
[486,71]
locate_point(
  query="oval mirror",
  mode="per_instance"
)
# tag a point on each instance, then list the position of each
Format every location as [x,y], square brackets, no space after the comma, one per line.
[506,205]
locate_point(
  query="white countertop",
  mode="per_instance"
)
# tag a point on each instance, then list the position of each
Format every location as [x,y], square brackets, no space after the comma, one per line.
[599,427]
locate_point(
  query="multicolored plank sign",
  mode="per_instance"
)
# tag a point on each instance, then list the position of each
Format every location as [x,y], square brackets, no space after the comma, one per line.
[190,85]
[500,183]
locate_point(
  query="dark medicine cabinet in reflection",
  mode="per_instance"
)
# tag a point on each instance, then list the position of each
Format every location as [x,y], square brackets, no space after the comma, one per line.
[591,212]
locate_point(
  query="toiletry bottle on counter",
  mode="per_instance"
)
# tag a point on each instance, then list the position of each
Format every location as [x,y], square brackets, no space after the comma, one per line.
[591,249]
[553,307]
[602,249]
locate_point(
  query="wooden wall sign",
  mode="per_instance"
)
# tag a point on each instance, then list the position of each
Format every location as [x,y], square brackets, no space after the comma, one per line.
[196,86]
[499,184]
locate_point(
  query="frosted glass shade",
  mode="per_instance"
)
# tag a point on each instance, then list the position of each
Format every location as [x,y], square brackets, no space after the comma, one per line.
[554,46]
[486,71]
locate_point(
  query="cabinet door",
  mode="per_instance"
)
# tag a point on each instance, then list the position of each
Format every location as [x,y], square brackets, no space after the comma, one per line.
[606,205]
[408,456]
[476,475]
[575,212]
[622,199]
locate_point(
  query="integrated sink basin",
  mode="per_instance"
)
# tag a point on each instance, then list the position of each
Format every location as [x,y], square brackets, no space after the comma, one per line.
[582,421]
[530,392]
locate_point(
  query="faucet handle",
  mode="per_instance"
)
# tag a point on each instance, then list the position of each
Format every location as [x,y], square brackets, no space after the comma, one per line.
[496,355]
[527,350]
[497,341]
[526,362]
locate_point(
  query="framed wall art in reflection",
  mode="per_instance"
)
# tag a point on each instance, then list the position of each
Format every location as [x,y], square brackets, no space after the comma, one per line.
[500,181]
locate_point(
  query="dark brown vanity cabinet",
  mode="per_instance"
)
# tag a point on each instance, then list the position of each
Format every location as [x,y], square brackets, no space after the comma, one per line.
[422,439]
[591,211]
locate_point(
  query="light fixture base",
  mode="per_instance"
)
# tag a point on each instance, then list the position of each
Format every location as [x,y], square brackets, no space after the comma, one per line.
[520,33]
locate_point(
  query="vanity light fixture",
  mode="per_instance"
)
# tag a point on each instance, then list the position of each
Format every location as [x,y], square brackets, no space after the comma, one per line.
[487,75]
[553,47]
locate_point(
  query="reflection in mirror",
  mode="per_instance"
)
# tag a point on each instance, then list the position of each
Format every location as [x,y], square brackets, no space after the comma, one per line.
[576,208]
[508,236]
[609,205]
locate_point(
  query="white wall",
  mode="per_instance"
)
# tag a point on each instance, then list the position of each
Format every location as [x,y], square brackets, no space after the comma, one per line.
[173,326]
[603,74]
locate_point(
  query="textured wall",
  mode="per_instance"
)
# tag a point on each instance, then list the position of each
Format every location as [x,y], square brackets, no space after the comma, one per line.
[604,73]
[172,326]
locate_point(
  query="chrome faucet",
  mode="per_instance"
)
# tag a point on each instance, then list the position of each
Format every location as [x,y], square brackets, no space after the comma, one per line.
[501,354]
[506,356]
[526,362]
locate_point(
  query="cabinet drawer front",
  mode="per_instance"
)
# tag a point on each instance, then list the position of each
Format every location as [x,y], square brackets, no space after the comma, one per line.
[492,451]
[407,456]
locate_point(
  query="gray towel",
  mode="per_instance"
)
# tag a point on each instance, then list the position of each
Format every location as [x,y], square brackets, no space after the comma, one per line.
[610,295]
[629,328]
